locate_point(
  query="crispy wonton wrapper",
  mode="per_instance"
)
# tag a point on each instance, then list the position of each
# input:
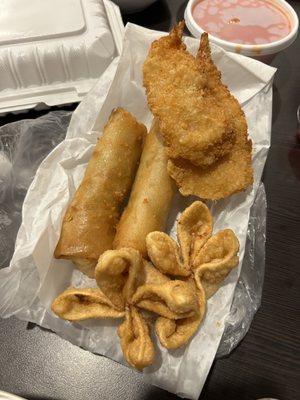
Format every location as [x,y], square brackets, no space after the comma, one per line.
[215,260]
[211,259]
[79,304]
[164,252]
[176,333]
[174,299]
[151,276]
[118,275]
[193,230]
[136,343]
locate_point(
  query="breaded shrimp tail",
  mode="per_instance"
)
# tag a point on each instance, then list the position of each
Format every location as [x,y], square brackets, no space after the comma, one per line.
[205,61]
[176,33]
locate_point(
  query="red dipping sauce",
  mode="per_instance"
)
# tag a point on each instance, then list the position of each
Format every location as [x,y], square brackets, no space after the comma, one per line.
[242,21]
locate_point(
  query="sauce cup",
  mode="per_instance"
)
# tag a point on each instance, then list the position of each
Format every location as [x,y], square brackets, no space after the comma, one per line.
[263,52]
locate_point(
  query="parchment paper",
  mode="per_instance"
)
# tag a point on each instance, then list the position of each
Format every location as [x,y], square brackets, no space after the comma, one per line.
[34,278]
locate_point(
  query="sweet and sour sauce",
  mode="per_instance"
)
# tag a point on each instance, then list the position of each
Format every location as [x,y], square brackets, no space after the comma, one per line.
[242,21]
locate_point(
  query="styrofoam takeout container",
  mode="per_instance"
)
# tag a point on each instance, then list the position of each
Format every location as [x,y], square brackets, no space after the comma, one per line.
[263,52]
[52,51]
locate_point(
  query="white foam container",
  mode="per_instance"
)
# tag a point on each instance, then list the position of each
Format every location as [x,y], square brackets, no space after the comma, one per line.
[262,52]
[53,51]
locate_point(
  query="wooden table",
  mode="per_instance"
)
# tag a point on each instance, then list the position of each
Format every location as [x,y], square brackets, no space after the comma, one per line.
[37,364]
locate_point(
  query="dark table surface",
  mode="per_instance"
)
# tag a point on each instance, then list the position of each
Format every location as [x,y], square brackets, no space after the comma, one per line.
[37,364]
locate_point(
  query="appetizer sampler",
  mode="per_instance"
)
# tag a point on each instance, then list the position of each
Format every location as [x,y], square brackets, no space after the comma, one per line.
[199,140]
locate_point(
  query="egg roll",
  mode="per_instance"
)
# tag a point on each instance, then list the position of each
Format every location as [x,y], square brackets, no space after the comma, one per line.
[150,198]
[89,225]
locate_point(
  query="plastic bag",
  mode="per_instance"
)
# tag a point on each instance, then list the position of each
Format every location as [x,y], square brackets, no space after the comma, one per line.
[248,291]
[24,144]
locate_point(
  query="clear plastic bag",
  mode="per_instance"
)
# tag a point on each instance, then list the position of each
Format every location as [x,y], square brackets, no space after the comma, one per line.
[24,144]
[248,291]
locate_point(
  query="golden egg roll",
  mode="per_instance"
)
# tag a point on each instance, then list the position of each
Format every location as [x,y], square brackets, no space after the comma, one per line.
[89,225]
[150,198]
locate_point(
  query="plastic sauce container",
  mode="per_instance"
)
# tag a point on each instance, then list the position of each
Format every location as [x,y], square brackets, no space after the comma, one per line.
[262,51]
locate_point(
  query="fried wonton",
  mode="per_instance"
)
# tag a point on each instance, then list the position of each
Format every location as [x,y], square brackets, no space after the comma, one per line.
[118,273]
[215,260]
[79,304]
[176,333]
[136,343]
[194,227]
[174,299]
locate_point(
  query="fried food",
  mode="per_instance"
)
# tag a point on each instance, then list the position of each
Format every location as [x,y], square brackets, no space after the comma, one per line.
[136,343]
[173,334]
[151,275]
[193,124]
[174,299]
[211,259]
[118,275]
[88,227]
[230,173]
[207,153]
[80,304]
[165,254]
[215,260]
[129,284]
[194,227]
[150,199]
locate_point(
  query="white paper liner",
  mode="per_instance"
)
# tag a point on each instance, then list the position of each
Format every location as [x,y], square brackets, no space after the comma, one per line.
[34,278]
